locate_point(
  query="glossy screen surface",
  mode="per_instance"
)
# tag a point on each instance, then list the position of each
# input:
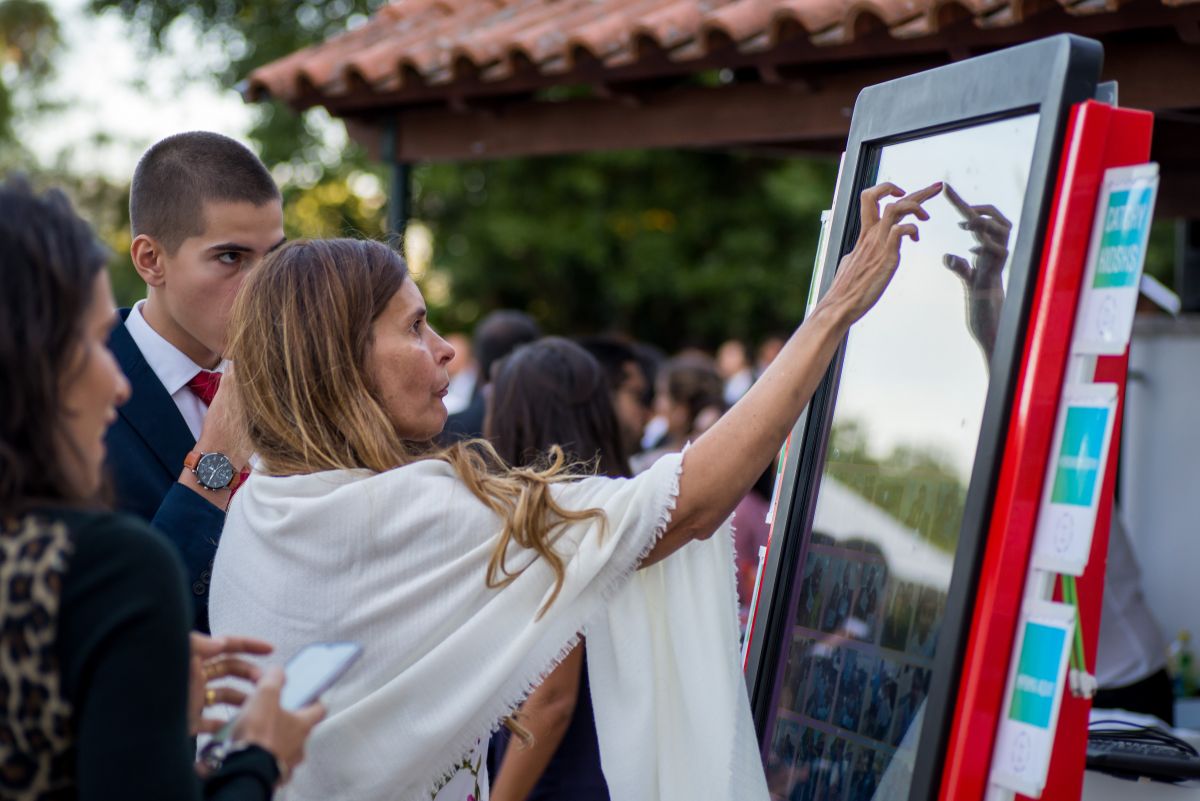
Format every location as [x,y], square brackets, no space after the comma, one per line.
[872,581]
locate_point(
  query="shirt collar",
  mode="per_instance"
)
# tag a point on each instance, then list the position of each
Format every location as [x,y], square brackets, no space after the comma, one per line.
[173,368]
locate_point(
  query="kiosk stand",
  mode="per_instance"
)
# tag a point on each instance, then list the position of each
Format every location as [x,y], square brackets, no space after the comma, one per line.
[883,657]
[1100,137]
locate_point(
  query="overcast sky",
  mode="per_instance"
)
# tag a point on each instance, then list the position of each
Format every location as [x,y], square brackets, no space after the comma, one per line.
[913,373]
[114,90]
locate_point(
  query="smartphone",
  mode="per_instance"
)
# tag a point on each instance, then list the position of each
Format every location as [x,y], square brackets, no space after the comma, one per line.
[309,673]
[313,670]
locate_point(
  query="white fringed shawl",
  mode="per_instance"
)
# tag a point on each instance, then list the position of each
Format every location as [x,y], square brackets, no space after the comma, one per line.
[397,561]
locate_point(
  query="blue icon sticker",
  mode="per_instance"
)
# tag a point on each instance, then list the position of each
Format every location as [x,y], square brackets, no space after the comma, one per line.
[1036,685]
[1126,221]
[1078,465]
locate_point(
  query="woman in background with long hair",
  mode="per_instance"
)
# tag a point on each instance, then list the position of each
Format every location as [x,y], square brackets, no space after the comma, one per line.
[553,393]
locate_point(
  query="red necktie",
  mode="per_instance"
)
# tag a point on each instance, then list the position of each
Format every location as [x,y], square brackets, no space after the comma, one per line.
[204,385]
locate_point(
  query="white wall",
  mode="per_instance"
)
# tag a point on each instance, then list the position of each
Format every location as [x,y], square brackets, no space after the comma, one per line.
[1160,467]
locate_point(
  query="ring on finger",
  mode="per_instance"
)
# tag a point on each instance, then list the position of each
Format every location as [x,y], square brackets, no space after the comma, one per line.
[210,696]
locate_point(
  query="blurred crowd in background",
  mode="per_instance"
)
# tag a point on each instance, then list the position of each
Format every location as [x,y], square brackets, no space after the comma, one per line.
[661,401]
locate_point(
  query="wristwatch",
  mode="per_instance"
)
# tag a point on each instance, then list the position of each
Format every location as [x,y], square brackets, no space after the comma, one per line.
[214,753]
[217,750]
[214,471]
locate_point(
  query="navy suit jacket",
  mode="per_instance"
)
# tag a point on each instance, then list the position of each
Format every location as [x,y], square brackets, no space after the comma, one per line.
[146,448]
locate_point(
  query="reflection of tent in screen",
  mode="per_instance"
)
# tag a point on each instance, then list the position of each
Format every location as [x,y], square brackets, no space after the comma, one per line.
[889,507]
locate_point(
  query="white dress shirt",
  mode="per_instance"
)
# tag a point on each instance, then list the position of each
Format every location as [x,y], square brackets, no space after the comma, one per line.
[173,368]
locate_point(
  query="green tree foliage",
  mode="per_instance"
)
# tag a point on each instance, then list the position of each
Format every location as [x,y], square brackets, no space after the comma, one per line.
[253,34]
[677,248]
[673,247]
[1160,252]
[918,487]
[28,40]
[105,205]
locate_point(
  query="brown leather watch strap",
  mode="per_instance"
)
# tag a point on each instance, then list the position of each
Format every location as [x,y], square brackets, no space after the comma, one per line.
[193,459]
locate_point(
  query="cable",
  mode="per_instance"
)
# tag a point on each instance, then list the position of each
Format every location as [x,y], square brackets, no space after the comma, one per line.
[1071,595]
[1136,733]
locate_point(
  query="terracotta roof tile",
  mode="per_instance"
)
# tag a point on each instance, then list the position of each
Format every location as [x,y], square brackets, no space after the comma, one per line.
[740,20]
[813,16]
[411,44]
[609,33]
[673,24]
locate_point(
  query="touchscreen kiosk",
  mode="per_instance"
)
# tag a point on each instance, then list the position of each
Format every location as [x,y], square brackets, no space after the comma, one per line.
[853,656]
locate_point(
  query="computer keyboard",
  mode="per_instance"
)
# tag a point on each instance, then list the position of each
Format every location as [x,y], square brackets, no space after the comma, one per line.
[1137,758]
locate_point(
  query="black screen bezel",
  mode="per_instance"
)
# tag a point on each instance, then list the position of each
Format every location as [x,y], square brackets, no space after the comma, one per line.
[1047,77]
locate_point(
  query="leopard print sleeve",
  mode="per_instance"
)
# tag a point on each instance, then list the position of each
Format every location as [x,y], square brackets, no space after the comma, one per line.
[36,747]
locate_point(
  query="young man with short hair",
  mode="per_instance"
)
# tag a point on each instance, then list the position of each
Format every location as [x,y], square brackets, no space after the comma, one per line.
[203,211]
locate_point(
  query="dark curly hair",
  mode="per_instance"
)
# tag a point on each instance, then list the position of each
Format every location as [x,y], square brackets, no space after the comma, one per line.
[49,259]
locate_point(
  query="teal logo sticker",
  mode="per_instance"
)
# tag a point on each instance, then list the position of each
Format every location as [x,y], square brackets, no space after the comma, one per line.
[1037,675]
[1126,220]
[1078,465]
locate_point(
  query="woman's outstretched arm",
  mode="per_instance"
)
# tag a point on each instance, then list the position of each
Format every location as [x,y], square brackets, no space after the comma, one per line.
[723,463]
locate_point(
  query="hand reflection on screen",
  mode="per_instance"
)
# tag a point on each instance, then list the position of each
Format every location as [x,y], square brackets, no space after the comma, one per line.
[982,278]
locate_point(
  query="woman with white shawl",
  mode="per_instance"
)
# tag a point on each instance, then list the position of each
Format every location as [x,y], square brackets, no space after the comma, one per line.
[466,581]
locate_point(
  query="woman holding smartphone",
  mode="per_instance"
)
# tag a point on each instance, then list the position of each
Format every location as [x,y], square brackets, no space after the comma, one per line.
[100,693]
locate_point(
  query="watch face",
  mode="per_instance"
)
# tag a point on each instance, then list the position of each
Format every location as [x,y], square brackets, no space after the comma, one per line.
[214,471]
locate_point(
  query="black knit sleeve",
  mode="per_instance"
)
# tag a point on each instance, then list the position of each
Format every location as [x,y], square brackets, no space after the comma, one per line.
[123,653]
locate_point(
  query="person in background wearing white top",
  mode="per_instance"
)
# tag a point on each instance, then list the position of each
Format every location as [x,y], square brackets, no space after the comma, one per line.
[1131,657]
[464,373]
[467,581]
[204,210]
[733,364]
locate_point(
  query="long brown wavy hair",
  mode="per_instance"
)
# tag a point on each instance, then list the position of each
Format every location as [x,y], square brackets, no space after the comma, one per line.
[300,339]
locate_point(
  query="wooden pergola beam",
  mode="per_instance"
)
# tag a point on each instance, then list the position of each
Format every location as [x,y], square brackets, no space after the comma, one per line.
[1165,76]
[693,117]
[792,109]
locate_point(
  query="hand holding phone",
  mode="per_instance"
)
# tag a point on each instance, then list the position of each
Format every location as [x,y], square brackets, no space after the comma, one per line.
[215,658]
[309,673]
[263,723]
